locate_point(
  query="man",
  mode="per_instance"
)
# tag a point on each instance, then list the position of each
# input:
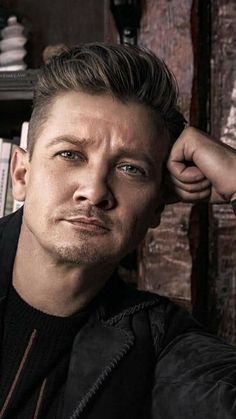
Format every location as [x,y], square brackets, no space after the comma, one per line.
[76,341]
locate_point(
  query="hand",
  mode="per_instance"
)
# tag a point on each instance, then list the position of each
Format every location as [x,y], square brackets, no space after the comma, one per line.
[201,168]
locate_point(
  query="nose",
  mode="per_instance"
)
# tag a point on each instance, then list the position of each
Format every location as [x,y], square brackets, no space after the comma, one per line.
[93,188]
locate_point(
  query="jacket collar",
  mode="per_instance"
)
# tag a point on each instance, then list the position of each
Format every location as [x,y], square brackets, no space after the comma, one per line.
[97,351]
[117,299]
[101,345]
[9,234]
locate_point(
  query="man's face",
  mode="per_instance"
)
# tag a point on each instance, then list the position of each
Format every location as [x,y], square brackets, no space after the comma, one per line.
[92,187]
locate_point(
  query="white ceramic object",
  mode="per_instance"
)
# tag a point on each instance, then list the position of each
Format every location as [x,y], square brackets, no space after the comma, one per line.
[12,46]
[12,57]
[12,43]
[13,28]
[13,67]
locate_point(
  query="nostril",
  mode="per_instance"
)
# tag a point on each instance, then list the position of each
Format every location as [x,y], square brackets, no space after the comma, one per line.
[101,198]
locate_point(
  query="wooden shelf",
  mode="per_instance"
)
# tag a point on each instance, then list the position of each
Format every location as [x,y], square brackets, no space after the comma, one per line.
[17,85]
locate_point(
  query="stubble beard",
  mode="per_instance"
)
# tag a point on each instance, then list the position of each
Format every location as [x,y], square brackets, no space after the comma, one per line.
[87,252]
[80,255]
[94,254]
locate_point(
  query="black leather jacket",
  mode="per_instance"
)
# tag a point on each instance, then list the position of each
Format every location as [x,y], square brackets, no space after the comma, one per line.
[138,356]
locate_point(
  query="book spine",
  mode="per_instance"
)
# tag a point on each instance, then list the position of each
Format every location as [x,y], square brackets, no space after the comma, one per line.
[23,144]
[4,173]
[9,196]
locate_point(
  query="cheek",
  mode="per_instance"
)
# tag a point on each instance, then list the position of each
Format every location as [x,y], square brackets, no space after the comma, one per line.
[44,184]
[139,207]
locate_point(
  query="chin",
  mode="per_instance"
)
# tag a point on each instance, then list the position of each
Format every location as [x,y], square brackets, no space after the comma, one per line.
[82,255]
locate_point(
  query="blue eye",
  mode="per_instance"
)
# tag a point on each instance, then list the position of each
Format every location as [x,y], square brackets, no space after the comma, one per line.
[132,170]
[70,155]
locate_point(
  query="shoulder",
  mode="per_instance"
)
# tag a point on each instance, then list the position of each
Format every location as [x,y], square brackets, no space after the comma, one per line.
[189,361]
[9,232]
[197,372]
[4,221]
[119,299]
[164,319]
[11,221]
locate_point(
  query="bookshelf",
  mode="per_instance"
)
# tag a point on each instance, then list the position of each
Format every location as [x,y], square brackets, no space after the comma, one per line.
[16,94]
[68,23]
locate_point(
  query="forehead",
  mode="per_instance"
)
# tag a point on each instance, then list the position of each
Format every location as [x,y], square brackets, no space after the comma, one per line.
[101,117]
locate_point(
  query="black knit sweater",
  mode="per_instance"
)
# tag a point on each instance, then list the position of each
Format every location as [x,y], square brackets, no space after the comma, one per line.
[34,360]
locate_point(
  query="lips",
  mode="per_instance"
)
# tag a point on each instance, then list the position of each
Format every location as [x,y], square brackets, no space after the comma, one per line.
[88,221]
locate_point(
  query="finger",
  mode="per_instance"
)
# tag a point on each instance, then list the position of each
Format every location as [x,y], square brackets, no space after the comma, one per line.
[193,196]
[191,187]
[184,172]
[176,190]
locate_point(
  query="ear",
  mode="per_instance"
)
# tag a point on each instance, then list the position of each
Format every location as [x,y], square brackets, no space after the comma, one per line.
[19,169]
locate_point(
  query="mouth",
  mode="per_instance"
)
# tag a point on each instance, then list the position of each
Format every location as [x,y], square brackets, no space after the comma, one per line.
[88,223]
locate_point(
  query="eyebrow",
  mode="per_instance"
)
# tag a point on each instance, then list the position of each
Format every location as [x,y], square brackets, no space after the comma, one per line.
[139,155]
[71,140]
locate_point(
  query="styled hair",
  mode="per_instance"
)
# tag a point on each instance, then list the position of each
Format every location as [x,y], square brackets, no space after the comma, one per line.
[123,71]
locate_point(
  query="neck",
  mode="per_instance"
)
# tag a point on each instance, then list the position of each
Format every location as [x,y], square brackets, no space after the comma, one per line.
[53,287]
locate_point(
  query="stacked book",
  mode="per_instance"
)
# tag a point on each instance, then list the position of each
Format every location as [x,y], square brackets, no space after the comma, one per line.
[7,202]
[18,80]
[17,84]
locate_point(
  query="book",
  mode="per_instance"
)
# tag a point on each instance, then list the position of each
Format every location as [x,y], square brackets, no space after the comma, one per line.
[9,200]
[23,145]
[18,80]
[24,135]
[6,148]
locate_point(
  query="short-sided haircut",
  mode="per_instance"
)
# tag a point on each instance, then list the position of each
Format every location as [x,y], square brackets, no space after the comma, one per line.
[125,72]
